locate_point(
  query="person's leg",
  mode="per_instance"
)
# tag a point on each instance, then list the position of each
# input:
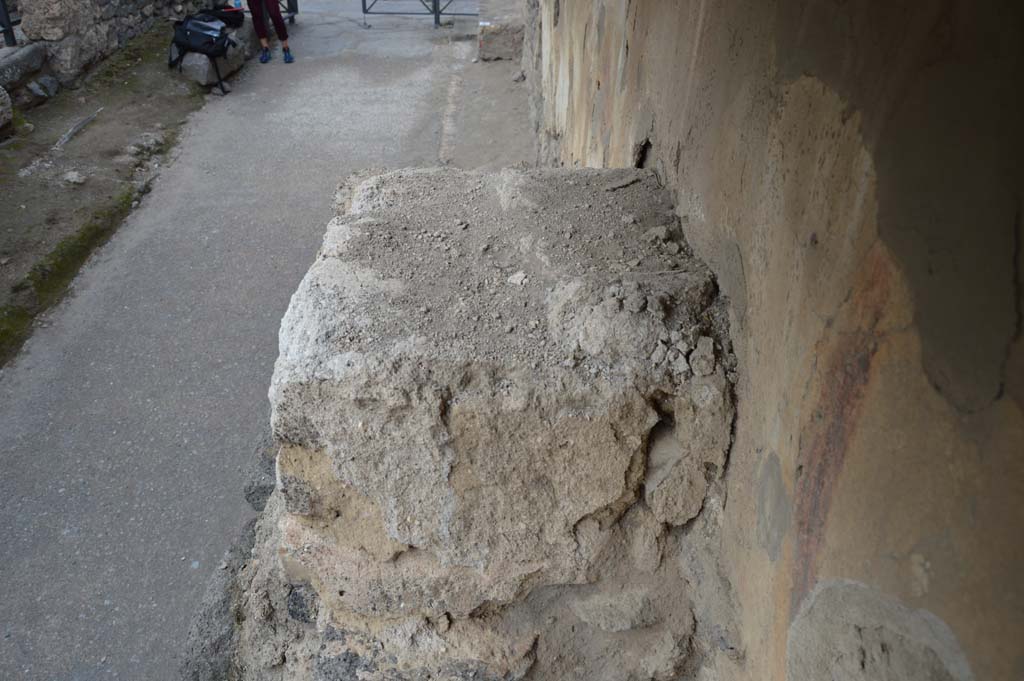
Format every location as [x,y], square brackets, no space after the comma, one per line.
[258,21]
[259,24]
[274,9]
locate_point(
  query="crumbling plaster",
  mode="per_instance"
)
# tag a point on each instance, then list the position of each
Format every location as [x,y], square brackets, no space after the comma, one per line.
[851,171]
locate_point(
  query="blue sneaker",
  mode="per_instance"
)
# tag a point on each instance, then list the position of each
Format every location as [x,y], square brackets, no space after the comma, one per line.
[264,55]
[288,58]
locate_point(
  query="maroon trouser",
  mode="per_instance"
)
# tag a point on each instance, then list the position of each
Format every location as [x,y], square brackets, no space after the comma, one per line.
[259,21]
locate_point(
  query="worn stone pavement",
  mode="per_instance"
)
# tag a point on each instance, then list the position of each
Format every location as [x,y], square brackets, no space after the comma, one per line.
[128,421]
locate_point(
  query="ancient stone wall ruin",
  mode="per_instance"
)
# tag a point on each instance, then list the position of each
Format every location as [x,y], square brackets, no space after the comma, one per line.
[504,406]
[849,170]
[77,33]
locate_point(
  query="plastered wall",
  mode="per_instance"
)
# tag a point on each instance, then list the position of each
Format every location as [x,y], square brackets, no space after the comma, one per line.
[852,171]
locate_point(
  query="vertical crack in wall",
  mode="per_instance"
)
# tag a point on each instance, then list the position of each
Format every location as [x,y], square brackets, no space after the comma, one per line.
[641,153]
[1018,287]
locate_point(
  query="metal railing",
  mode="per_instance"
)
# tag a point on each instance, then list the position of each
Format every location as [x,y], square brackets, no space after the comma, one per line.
[7,25]
[435,8]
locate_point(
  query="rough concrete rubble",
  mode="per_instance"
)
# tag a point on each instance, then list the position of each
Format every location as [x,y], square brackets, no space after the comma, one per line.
[501,402]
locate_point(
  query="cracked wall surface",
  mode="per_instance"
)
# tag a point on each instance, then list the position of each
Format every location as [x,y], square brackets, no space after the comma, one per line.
[504,406]
[851,173]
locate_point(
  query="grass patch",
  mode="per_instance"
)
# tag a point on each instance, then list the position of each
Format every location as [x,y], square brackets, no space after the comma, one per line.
[18,119]
[49,279]
[171,137]
[121,67]
[15,327]
[13,137]
[126,70]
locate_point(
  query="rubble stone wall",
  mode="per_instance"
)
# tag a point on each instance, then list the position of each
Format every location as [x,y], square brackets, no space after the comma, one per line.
[77,33]
[850,171]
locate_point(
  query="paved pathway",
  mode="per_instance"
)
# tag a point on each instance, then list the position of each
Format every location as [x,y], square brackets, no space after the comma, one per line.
[128,422]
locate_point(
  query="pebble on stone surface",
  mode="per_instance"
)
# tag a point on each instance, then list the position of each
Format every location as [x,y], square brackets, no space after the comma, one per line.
[656,233]
[74,177]
[702,359]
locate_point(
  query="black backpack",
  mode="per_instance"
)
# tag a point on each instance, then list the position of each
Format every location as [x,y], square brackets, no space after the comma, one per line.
[202,34]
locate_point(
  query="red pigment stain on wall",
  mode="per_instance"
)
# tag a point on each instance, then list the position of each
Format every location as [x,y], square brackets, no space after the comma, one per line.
[825,439]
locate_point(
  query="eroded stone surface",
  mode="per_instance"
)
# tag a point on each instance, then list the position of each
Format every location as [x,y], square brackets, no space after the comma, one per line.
[19,64]
[469,380]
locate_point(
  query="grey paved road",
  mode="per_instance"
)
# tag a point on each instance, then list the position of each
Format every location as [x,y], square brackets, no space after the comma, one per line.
[127,423]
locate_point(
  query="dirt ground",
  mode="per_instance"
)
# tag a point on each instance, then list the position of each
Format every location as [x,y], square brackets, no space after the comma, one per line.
[58,202]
